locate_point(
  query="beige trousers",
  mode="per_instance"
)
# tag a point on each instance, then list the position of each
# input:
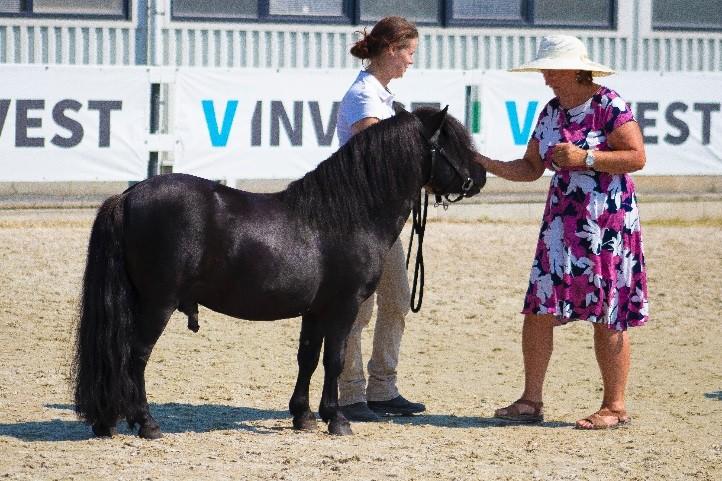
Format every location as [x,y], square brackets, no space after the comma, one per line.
[392,299]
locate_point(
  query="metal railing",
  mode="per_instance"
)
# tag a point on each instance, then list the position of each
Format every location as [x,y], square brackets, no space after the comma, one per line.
[152,37]
[67,44]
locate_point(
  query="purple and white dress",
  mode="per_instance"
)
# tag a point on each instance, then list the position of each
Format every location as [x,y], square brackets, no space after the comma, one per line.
[589,261]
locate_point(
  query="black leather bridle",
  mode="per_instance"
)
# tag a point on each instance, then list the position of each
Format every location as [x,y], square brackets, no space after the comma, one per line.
[461,170]
[418,223]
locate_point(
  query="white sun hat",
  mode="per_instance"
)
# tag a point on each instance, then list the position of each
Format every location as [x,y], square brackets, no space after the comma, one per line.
[563,52]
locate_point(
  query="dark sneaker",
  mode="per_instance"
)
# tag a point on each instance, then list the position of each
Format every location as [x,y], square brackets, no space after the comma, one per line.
[359,412]
[398,406]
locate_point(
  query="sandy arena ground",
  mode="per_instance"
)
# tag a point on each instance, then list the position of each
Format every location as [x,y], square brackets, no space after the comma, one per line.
[221,395]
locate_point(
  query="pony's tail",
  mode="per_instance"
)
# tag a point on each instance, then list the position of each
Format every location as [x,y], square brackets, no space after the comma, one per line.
[102,375]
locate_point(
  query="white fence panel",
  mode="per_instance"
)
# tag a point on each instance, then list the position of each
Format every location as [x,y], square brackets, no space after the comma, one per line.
[64,42]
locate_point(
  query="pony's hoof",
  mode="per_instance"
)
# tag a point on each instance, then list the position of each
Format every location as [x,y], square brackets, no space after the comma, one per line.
[305,422]
[340,428]
[103,431]
[150,432]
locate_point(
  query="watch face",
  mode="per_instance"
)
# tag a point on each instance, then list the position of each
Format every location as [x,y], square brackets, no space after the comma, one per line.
[590,159]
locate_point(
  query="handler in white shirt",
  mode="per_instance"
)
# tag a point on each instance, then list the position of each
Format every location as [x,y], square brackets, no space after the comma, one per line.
[387,51]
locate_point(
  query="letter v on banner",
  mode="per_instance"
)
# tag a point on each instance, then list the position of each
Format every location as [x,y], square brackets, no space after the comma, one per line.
[219,138]
[521,134]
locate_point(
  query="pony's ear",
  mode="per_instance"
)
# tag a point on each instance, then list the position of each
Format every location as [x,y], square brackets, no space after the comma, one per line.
[433,125]
[398,107]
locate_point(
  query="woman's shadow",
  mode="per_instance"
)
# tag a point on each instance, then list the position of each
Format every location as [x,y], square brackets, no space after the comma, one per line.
[173,418]
[452,421]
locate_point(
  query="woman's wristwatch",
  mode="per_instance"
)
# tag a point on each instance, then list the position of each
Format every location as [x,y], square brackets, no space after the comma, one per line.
[589,160]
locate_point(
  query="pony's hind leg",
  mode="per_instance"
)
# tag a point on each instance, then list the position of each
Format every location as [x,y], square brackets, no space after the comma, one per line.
[309,349]
[150,324]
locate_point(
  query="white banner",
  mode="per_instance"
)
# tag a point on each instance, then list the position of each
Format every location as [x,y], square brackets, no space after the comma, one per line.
[62,123]
[264,124]
[73,123]
[679,114]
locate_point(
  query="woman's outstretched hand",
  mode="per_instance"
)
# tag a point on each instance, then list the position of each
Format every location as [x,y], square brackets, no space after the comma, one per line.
[483,160]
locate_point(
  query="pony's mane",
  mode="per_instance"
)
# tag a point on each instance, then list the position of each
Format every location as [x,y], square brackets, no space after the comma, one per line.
[379,164]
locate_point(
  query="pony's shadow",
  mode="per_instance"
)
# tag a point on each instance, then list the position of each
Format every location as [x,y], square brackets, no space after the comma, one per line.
[173,418]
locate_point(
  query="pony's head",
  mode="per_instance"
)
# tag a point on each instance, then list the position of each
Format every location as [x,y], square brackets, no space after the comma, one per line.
[452,169]
[385,164]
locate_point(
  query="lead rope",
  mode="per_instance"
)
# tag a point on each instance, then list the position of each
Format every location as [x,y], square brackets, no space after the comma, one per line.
[418,226]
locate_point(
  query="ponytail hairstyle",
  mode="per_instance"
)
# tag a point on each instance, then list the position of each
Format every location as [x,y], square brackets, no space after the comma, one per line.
[388,32]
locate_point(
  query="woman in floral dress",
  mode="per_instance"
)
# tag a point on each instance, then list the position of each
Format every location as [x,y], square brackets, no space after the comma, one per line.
[589,262]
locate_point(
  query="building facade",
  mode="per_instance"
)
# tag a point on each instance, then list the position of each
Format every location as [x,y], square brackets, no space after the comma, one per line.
[629,35]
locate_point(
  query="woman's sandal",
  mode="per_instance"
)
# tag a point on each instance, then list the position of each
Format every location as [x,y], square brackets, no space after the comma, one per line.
[597,420]
[512,414]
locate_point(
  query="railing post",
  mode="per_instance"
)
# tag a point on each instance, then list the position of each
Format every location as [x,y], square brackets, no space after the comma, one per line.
[141,33]
[153,166]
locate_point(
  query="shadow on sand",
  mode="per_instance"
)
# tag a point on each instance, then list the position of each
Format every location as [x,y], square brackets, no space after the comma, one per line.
[173,418]
[201,418]
[714,395]
[451,421]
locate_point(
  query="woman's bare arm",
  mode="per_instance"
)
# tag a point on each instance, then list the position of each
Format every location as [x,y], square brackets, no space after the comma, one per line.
[363,124]
[527,169]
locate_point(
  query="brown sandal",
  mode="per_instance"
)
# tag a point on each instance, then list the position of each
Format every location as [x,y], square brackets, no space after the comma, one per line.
[512,414]
[597,420]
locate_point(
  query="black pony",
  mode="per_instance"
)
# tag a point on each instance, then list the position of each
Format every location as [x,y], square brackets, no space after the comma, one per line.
[313,250]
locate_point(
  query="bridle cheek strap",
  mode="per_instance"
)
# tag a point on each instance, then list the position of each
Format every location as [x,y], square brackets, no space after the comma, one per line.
[461,171]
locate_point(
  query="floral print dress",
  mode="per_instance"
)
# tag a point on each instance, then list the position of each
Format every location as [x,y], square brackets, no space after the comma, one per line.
[589,261]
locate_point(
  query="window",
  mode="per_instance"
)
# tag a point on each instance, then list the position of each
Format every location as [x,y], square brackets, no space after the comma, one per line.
[312,8]
[11,6]
[590,13]
[66,8]
[334,11]
[230,9]
[696,14]
[478,13]
[499,10]
[532,13]
[417,11]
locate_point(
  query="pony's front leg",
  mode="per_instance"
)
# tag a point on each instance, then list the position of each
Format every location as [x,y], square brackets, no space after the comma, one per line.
[333,356]
[309,349]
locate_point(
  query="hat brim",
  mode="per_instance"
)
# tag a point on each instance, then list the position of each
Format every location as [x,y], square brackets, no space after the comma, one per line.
[597,69]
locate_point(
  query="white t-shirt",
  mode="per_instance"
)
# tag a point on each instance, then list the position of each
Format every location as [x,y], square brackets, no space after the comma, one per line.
[365,98]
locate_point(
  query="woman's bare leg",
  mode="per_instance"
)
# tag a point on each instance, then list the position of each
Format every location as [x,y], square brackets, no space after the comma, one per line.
[537,342]
[613,356]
